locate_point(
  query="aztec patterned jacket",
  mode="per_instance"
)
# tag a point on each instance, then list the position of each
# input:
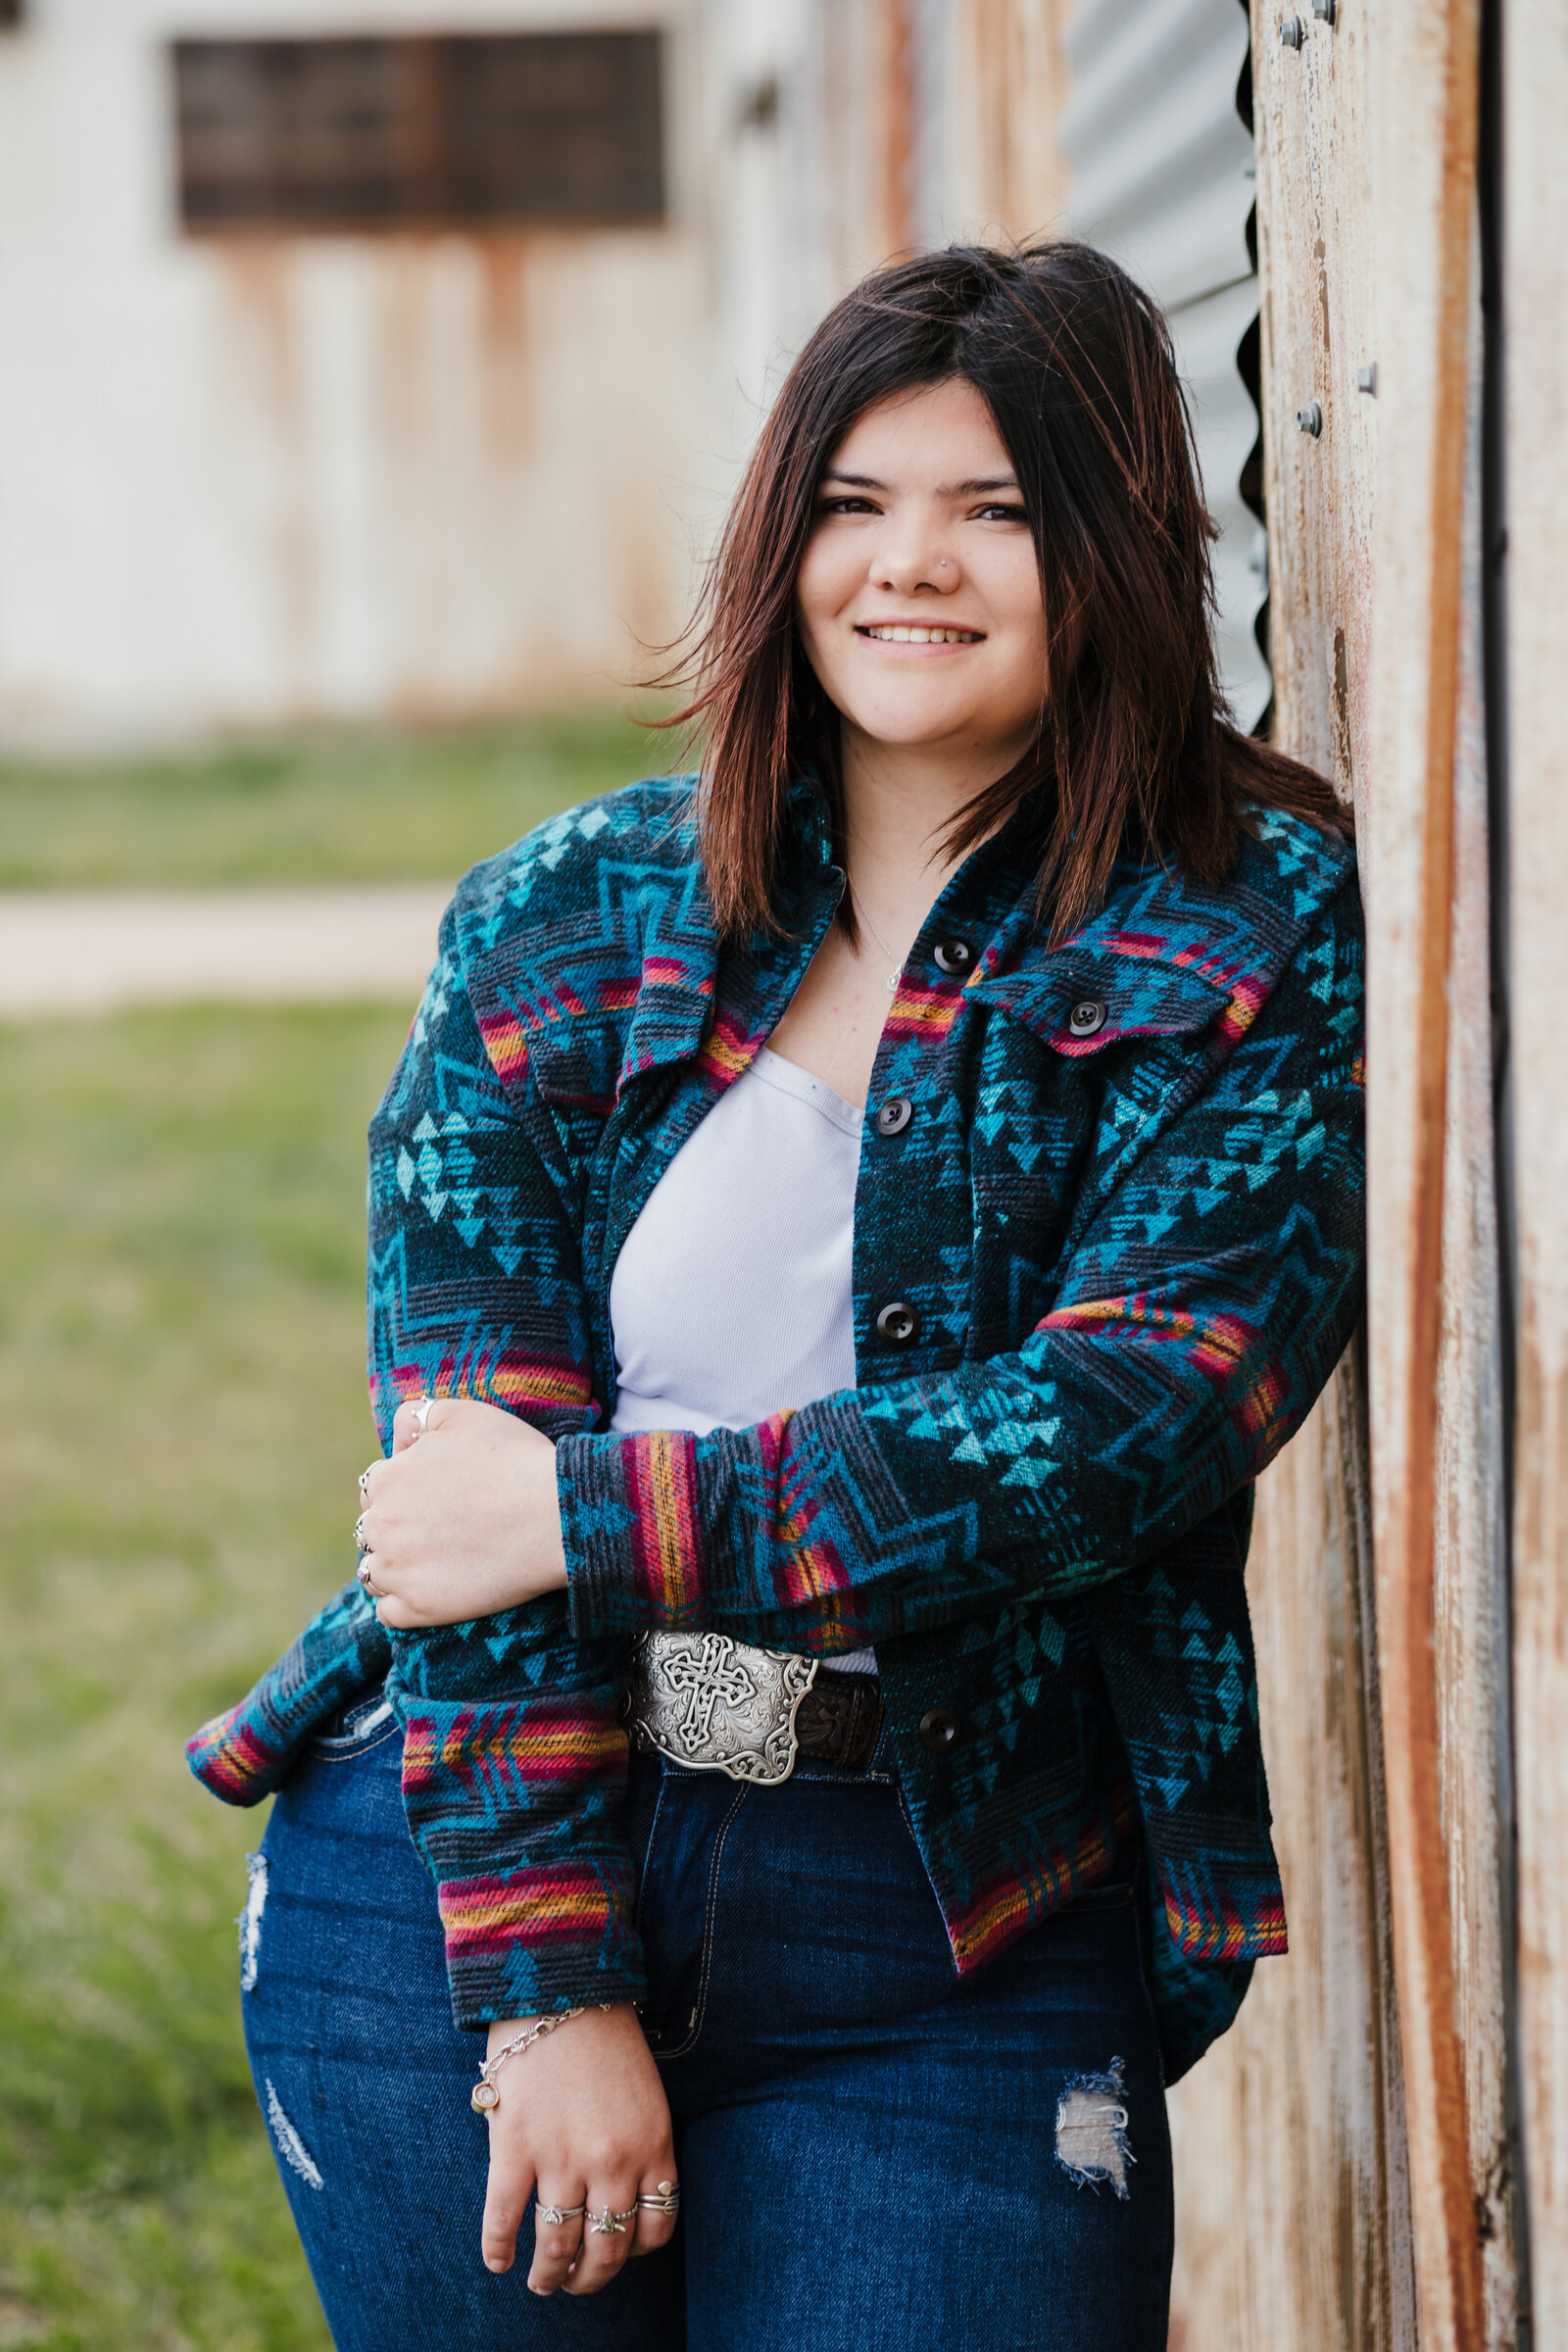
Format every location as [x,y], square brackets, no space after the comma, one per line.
[1125,1210]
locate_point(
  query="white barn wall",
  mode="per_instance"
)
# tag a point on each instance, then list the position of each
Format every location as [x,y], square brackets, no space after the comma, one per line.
[251,481]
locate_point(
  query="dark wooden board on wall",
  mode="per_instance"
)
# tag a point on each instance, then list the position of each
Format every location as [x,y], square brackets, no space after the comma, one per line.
[386,132]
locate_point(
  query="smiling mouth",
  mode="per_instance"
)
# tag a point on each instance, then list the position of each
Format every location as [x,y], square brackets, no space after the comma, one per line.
[898,632]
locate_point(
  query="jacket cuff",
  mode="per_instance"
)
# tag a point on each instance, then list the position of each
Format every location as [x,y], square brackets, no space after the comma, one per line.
[525,1941]
[243,1754]
[517,1808]
[631,1526]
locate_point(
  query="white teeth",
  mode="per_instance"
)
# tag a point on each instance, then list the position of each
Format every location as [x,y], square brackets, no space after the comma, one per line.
[897,633]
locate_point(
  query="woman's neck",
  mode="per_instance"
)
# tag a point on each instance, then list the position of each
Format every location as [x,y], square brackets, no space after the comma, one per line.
[900,802]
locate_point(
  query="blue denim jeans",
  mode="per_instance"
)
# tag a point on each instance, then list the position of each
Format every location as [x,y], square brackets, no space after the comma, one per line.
[874,2154]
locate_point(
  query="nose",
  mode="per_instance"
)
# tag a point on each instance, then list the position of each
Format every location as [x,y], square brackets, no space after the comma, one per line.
[911,558]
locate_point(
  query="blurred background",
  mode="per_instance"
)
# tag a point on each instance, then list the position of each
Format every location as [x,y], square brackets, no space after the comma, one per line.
[372,377]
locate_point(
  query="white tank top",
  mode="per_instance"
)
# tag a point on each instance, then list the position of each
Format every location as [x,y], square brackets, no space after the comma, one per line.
[732,1296]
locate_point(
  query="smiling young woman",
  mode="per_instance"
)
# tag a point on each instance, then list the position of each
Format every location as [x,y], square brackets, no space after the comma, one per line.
[847,1231]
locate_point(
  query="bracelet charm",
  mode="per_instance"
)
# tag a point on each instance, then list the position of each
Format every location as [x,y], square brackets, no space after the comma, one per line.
[484,2098]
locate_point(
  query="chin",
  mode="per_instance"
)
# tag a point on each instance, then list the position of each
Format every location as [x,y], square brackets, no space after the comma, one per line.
[896,721]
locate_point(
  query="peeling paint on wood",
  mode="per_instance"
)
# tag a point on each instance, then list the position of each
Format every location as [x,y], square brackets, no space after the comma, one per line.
[1536,227]
[1288,2143]
[1294,2224]
[1292,2227]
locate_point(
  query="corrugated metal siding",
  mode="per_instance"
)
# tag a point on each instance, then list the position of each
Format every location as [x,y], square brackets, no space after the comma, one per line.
[1160,175]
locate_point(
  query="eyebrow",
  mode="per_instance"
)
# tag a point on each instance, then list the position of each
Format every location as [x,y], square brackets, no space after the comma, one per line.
[969,489]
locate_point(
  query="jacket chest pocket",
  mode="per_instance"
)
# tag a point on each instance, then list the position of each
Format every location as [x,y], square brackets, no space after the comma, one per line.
[1087,1057]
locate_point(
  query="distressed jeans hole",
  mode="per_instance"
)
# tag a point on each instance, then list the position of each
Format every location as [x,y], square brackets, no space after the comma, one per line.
[249,1922]
[295,2154]
[1092,2131]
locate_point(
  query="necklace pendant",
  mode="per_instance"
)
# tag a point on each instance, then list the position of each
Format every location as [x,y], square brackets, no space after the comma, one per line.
[893,981]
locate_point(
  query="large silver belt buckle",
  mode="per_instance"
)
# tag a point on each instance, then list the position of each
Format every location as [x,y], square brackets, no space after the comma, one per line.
[718,1705]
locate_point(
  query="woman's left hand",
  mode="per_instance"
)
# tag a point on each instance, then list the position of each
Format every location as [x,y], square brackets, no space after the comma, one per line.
[462,1520]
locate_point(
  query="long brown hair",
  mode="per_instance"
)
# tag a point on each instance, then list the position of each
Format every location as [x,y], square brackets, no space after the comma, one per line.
[1135,743]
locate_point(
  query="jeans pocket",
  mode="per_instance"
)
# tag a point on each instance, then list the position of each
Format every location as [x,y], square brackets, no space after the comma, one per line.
[360,1722]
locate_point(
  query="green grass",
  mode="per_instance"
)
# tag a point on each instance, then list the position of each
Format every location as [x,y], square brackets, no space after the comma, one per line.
[183,1415]
[346,808]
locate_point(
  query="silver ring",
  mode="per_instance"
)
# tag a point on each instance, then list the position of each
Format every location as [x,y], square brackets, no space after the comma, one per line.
[554,2215]
[360,1544]
[669,2203]
[421,1415]
[365,1482]
[367,1581]
[612,2224]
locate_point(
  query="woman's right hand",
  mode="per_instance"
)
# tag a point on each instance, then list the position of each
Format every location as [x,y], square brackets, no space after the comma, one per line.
[583,2119]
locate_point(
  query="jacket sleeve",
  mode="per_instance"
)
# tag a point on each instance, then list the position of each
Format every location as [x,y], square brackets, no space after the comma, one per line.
[1200,1310]
[514,1757]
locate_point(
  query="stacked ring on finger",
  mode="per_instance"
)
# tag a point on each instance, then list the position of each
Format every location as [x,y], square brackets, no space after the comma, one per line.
[667,2201]
[421,1415]
[612,2224]
[555,2215]
[365,1482]
[364,1580]
[360,1544]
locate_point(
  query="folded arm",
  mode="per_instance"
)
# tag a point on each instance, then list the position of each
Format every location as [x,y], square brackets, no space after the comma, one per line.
[515,1761]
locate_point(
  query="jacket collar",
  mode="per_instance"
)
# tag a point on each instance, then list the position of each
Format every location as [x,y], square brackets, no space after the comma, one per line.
[1163,956]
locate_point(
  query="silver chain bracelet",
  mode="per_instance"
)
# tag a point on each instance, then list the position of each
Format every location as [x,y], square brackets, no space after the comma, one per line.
[484,2094]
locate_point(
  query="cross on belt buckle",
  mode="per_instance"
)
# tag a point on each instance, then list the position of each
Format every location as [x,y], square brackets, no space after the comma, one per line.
[718,1705]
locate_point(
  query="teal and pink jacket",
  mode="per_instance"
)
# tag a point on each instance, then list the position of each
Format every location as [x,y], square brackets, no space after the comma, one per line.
[1126,1209]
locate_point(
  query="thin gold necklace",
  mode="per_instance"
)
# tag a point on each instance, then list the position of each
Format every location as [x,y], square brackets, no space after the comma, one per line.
[897,974]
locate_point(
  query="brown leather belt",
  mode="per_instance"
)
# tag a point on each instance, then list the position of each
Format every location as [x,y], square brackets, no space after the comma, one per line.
[839,1719]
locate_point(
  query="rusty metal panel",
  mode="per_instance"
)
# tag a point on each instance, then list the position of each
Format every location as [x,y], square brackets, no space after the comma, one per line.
[1210,337]
[1535,82]
[1161,176]
[1162,162]
[423,473]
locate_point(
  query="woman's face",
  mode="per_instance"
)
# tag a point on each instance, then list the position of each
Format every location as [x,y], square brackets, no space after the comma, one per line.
[920,594]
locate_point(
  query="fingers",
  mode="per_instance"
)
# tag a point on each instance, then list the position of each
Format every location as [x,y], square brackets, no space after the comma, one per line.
[655,2228]
[556,2245]
[506,2200]
[413,1416]
[608,2229]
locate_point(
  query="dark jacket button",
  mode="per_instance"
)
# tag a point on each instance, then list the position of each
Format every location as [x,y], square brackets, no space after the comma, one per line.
[895,1115]
[954,955]
[938,1728]
[1088,1017]
[898,1324]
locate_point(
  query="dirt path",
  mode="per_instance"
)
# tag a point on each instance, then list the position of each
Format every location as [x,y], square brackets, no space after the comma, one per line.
[91,951]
